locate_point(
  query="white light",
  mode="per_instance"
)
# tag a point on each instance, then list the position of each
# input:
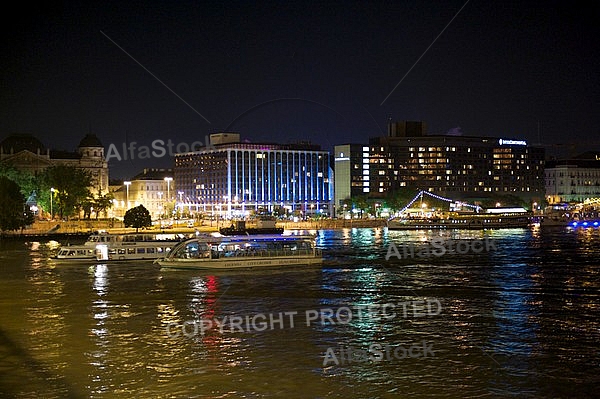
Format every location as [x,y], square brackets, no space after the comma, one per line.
[511,142]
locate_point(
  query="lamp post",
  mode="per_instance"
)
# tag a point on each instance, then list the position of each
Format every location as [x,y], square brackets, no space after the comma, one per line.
[51,195]
[168,180]
[160,206]
[180,193]
[127,184]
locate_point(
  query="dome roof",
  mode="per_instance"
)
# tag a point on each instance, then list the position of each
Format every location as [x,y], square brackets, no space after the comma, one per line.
[20,142]
[90,140]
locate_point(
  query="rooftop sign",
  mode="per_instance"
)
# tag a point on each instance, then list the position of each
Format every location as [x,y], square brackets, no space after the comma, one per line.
[512,142]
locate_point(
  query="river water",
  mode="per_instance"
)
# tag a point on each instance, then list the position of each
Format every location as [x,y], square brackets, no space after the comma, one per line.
[518,319]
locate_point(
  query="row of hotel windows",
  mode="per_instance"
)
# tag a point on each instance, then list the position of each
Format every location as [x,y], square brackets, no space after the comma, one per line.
[573,183]
[573,175]
[465,189]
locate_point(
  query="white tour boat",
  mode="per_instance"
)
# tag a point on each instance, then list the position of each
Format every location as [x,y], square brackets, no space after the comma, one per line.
[76,252]
[131,246]
[239,252]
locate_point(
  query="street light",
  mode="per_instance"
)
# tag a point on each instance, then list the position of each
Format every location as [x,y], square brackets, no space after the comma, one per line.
[127,184]
[51,195]
[181,204]
[160,205]
[168,180]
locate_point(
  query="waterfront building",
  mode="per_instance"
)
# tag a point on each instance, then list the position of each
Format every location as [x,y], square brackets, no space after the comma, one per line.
[351,163]
[233,178]
[26,153]
[454,166]
[153,188]
[573,180]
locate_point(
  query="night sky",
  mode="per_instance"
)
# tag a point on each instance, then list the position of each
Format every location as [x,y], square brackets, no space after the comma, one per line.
[300,71]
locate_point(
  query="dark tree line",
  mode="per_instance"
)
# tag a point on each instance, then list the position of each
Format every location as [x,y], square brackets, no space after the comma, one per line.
[14,214]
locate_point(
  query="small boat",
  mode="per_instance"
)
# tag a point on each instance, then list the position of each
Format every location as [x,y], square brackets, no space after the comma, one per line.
[239,252]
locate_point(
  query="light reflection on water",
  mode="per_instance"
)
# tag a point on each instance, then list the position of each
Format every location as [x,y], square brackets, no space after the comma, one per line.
[519,321]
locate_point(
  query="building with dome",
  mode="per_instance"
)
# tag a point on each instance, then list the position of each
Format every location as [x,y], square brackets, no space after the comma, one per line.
[26,153]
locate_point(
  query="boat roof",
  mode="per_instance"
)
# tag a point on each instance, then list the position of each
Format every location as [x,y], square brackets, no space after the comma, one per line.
[255,238]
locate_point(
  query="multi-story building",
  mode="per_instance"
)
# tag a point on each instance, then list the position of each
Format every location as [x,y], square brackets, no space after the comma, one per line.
[25,152]
[152,188]
[458,167]
[573,180]
[234,178]
[352,164]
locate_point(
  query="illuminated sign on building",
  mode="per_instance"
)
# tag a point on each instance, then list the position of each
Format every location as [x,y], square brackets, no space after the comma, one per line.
[512,142]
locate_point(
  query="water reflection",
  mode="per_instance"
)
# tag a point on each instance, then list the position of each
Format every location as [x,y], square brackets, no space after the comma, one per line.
[99,332]
[519,321]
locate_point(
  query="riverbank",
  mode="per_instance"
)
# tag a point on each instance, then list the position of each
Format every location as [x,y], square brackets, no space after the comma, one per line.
[82,229]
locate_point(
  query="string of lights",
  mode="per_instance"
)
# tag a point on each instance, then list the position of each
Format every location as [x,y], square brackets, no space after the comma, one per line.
[420,195]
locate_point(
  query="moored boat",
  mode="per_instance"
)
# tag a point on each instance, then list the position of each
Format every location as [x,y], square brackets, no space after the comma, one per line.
[571,216]
[239,252]
[75,252]
[261,226]
[103,246]
[473,221]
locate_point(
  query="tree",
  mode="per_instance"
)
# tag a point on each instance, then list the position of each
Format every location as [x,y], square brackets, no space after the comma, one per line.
[137,217]
[103,203]
[13,213]
[87,205]
[71,187]
[27,182]
[361,202]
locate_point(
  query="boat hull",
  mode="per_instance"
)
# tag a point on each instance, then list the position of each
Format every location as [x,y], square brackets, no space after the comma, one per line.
[240,263]
[466,225]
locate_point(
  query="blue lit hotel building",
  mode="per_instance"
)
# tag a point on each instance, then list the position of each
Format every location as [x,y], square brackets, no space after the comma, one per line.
[233,178]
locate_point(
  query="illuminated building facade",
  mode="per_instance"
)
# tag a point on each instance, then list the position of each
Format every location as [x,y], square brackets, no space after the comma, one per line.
[458,167]
[153,188]
[351,163]
[26,153]
[573,180]
[233,179]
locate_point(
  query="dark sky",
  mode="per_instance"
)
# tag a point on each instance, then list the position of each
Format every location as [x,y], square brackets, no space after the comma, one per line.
[299,71]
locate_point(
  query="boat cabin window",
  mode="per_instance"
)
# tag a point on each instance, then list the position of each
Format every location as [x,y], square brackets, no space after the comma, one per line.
[193,250]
